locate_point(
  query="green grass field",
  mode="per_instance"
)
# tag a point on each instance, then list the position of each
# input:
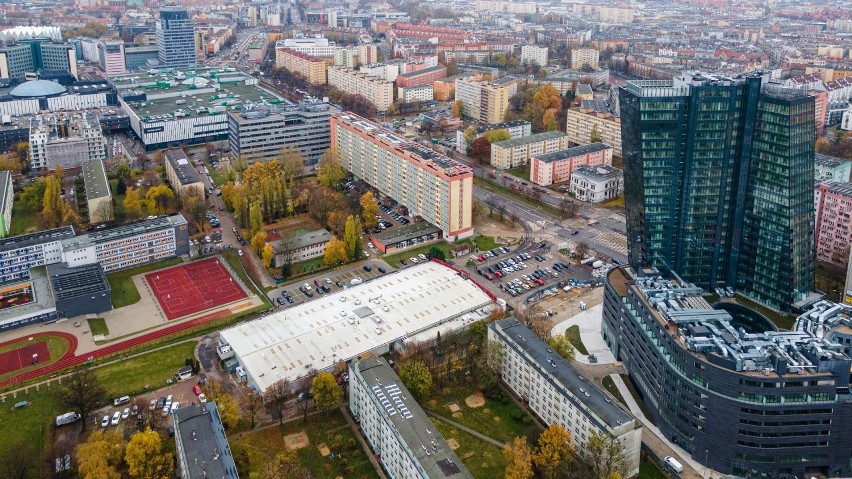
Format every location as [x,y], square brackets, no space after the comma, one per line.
[649,470]
[617,202]
[98,326]
[124,292]
[499,420]
[781,320]
[522,172]
[130,376]
[23,219]
[573,334]
[509,193]
[483,460]
[331,430]
[609,385]
[32,425]
[485,243]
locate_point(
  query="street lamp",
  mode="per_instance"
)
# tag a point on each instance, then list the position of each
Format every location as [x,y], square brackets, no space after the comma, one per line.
[705,464]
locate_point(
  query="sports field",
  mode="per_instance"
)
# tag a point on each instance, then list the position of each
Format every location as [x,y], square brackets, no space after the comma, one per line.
[194,287]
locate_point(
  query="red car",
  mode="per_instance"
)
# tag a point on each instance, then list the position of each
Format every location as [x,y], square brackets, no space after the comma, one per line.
[196,389]
[539,282]
[481,258]
[488,276]
[498,274]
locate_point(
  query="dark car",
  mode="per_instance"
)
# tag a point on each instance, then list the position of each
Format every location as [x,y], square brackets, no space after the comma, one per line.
[368,268]
[309,294]
[290,299]
[339,284]
[382,270]
[279,300]
[574,232]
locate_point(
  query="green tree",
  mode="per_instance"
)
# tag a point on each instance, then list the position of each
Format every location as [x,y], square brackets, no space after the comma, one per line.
[286,465]
[435,252]
[225,402]
[327,393]
[518,456]
[469,135]
[352,237]
[554,451]
[335,252]
[33,194]
[417,378]
[329,170]
[82,392]
[146,458]
[122,176]
[457,110]
[493,136]
[392,110]
[560,344]
[369,209]
[277,395]
[132,203]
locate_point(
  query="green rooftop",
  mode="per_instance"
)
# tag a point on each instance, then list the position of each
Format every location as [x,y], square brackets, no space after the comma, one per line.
[526,140]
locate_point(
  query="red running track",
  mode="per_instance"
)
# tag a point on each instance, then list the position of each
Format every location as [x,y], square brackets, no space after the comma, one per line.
[70,360]
[194,287]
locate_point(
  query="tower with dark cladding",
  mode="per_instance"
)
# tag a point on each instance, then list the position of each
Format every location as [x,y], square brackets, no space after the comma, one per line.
[719,183]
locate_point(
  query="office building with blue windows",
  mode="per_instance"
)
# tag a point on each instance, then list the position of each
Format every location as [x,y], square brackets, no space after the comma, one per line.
[719,179]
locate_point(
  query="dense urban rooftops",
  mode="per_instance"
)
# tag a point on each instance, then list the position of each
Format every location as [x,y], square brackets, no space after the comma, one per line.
[526,140]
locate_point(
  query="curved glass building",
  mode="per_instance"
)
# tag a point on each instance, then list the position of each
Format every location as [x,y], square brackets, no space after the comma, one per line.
[759,404]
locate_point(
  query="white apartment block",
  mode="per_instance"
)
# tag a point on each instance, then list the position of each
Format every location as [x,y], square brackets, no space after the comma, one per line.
[377,91]
[19,254]
[111,57]
[431,185]
[584,58]
[385,71]
[483,101]
[501,6]
[534,54]
[66,139]
[518,151]
[558,394]
[515,128]
[413,94]
[344,58]
[596,183]
[398,430]
[582,124]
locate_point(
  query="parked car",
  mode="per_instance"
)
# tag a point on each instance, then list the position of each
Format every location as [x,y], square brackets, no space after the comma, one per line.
[368,268]
[116,418]
[105,421]
[126,413]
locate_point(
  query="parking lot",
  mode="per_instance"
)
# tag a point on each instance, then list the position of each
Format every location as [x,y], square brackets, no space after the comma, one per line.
[344,276]
[181,393]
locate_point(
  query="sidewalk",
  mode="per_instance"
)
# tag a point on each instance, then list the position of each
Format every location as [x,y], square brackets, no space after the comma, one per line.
[589,322]
[364,445]
[465,429]
[655,439]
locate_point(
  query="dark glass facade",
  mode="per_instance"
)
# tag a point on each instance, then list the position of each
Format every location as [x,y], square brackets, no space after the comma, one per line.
[719,183]
[758,407]
[175,38]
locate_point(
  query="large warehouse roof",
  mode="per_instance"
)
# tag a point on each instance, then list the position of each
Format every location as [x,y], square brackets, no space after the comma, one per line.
[340,326]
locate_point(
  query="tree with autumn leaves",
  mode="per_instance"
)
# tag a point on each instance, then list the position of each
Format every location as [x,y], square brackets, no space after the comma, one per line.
[552,455]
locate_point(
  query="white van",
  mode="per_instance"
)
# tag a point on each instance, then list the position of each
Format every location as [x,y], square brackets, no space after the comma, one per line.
[122,400]
[674,464]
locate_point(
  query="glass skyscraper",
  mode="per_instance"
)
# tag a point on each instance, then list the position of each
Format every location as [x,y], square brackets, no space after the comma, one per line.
[175,38]
[719,183]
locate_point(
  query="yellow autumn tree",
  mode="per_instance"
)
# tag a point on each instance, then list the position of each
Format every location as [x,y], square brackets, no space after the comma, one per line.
[268,255]
[518,456]
[132,203]
[335,252]
[146,458]
[369,209]
[258,241]
[100,456]
[554,451]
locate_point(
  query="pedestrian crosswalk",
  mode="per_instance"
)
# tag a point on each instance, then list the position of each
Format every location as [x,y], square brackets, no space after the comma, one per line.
[611,240]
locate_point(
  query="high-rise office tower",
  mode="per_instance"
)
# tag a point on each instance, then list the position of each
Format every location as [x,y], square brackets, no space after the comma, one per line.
[175,38]
[719,183]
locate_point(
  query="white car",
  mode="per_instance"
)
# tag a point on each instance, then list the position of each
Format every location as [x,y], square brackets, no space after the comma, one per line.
[166,410]
[153,405]
[240,252]
[126,413]
[105,421]
[169,400]
[413,259]
[422,257]
[175,405]
[202,398]
[116,418]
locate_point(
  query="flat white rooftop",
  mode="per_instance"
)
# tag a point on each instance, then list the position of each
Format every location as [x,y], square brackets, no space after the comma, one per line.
[342,325]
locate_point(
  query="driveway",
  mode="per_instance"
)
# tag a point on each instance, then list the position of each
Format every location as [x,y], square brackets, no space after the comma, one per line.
[589,322]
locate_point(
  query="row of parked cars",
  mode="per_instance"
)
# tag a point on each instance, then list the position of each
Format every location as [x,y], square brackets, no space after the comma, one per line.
[393,214]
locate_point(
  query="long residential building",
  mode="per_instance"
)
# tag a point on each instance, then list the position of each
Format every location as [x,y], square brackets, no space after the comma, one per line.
[518,151]
[315,47]
[185,181]
[831,168]
[431,185]
[98,194]
[377,91]
[482,100]
[262,134]
[558,394]
[425,76]
[585,125]
[833,232]
[19,254]
[723,384]
[312,68]
[558,166]
[397,428]
[7,198]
